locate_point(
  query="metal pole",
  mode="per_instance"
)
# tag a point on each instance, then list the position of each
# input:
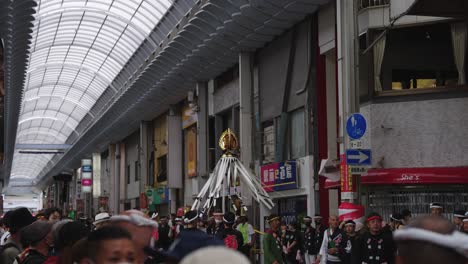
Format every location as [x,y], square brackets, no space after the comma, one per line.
[117,179]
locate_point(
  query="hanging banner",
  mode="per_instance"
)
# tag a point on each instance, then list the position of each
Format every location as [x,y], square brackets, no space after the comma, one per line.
[191,150]
[348,184]
[279,176]
[86,175]
[189,116]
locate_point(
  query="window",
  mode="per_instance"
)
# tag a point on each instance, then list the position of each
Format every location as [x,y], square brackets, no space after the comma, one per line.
[297,134]
[137,171]
[128,174]
[419,57]
[162,169]
[268,142]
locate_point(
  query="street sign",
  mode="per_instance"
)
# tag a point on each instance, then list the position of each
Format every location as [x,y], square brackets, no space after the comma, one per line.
[356,126]
[358,170]
[358,157]
[355,144]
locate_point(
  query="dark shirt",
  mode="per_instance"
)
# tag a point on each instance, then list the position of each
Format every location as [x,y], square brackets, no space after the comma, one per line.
[374,249]
[309,240]
[319,232]
[349,244]
[213,230]
[230,231]
[33,257]
[164,241]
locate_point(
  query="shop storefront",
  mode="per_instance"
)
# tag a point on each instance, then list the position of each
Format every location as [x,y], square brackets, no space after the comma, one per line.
[387,191]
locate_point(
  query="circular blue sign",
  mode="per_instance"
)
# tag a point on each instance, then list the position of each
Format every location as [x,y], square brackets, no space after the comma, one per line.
[356,126]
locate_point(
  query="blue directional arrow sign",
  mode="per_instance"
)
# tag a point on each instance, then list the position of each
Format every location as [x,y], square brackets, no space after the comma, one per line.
[358,157]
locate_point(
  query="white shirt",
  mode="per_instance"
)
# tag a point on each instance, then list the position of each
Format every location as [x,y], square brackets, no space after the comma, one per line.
[324,256]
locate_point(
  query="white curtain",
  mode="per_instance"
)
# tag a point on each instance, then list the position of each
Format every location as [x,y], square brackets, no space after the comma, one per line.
[379,51]
[459,37]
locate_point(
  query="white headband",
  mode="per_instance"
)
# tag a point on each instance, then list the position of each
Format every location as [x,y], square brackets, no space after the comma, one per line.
[135,219]
[465,219]
[456,241]
[459,215]
[187,221]
[394,219]
[435,206]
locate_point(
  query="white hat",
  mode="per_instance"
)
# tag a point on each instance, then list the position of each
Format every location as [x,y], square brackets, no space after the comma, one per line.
[214,255]
[101,217]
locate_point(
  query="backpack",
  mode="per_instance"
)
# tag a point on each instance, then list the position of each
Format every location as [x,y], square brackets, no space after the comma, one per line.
[6,246]
[231,242]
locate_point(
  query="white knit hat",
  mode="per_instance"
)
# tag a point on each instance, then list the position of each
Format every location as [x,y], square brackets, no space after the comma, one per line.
[215,255]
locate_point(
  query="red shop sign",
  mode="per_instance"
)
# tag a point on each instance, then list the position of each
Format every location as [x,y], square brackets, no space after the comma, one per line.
[453,175]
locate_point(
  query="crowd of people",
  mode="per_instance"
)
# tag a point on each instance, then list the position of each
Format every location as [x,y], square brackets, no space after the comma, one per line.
[136,237]
[403,240]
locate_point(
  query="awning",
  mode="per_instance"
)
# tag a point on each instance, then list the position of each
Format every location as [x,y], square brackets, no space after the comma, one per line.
[437,8]
[410,176]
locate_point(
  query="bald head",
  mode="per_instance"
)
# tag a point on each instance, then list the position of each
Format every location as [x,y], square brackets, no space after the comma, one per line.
[333,221]
[412,251]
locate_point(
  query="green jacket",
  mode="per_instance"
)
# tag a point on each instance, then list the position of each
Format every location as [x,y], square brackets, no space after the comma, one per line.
[271,249]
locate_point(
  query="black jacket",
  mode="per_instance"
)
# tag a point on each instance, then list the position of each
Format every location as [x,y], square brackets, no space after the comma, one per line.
[374,249]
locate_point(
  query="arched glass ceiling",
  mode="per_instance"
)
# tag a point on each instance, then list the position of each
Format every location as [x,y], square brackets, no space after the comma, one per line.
[78,48]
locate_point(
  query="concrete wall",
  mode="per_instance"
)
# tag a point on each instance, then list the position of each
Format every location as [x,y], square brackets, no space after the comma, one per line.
[132,150]
[379,17]
[272,62]
[424,133]
[226,96]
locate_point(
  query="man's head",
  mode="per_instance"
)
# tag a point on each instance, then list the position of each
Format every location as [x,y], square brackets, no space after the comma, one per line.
[436,209]
[243,219]
[38,235]
[101,220]
[229,219]
[350,227]
[274,221]
[333,221]
[431,240]
[191,219]
[458,217]
[465,225]
[218,217]
[53,214]
[139,226]
[406,215]
[163,221]
[110,244]
[307,221]
[317,220]
[293,226]
[18,219]
[374,223]
[69,233]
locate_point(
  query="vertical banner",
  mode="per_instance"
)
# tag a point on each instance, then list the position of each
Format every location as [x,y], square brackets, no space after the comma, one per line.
[348,185]
[96,163]
[191,148]
[86,175]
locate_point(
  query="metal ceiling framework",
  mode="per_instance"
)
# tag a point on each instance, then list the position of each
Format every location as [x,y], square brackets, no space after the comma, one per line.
[77,50]
[198,44]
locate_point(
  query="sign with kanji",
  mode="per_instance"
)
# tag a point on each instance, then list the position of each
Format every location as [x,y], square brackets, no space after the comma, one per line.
[279,176]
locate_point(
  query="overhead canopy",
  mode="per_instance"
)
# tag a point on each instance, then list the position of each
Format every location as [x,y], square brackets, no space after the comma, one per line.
[437,8]
[78,48]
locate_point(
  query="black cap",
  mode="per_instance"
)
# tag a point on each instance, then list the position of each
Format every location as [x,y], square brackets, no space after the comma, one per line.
[459,213]
[406,213]
[396,217]
[19,219]
[229,218]
[190,217]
